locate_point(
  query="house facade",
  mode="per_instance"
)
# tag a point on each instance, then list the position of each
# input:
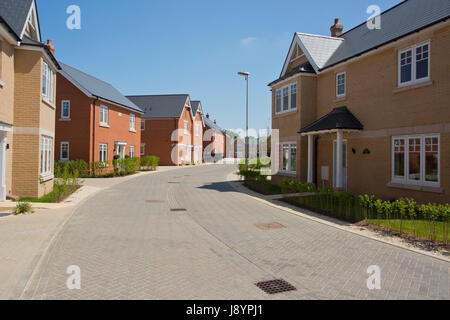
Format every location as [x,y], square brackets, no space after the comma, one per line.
[197,134]
[368,110]
[214,141]
[167,131]
[94,121]
[27,102]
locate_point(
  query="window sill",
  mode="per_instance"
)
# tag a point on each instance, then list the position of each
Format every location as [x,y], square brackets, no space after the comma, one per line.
[45,178]
[282,113]
[416,85]
[287,173]
[2,84]
[340,99]
[134,131]
[104,125]
[415,187]
[65,119]
[48,103]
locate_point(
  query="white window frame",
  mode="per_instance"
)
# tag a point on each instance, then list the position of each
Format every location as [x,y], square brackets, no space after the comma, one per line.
[288,170]
[281,90]
[422,181]
[142,125]
[132,122]
[341,95]
[61,151]
[104,115]
[142,149]
[186,126]
[413,66]
[103,148]
[62,109]
[197,130]
[48,79]
[46,156]
[132,152]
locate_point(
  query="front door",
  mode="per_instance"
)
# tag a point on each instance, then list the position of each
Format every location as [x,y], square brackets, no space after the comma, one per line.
[344,164]
[121,151]
[2,165]
[196,158]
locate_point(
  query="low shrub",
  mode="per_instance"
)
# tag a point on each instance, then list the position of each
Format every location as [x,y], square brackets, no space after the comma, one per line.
[149,163]
[22,208]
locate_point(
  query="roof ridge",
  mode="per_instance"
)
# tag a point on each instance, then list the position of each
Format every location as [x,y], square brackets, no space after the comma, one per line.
[319,36]
[158,95]
[87,74]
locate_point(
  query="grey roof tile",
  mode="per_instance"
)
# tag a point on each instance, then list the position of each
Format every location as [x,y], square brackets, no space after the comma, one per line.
[320,48]
[339,118]
[96,87]
[210,123]
[14,13]
[195,104]
[161,106]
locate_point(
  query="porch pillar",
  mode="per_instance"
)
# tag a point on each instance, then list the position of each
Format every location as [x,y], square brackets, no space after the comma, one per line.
[310,157]
[339,160]
[2,166]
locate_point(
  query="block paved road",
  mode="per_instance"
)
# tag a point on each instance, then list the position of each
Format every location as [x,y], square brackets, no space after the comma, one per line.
[130,248]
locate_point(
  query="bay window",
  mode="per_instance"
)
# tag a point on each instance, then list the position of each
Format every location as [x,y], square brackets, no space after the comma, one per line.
[286,99]
[47,82]
[46,155]
[414,64]
[278,101]
[415,160]
[288,157]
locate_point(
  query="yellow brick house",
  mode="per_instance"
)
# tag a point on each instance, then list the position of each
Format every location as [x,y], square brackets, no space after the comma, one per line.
[27,102]
[368,110]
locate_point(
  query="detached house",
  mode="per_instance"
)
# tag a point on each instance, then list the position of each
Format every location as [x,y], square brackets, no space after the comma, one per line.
[27,102]
[369,110]
[94,121]
[197,137]
[214,141]
[167,128]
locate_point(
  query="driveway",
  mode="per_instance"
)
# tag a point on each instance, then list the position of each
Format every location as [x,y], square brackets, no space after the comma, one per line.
[187,234]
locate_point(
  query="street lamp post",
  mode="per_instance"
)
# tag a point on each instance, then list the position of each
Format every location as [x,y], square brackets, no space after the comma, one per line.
[246,74]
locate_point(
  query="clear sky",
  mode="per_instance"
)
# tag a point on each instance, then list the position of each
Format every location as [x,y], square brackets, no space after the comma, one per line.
[194,46]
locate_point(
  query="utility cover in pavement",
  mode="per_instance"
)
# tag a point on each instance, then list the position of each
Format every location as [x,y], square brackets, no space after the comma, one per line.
[275,286]
[269,226]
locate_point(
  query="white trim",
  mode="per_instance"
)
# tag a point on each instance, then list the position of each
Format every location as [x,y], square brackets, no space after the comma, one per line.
[3,144]
[48,59]
[46,147]
[405,180]
[61,151]
[342,95]
[132,122]
[140,150]
[289,109]
[6,127]
[102,122]
[8,36]
[62,110]
[329,131]
[101,149]
[414,80]
[288,171]
[30,12]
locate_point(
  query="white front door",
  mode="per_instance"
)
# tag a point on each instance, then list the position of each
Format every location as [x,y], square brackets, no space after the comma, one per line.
[196,158]
[120,150]
[344,164]
[2,165]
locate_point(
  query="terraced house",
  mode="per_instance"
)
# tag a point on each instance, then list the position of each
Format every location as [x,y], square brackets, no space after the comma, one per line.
[198,127]
[167,131]
[27,102]
[214,141]
[94,121]
[368,110]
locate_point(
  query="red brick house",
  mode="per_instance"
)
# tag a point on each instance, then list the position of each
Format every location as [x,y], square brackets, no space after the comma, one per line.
[197,136]
[167,127]
[214,141]
[94,121]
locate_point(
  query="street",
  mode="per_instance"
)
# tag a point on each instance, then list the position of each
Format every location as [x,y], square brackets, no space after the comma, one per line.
[188,234]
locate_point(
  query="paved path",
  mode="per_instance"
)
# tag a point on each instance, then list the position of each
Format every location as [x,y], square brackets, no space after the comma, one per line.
[130,245]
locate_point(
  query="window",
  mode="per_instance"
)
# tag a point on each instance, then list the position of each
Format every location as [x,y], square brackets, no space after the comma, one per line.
[185,127]
[414,64]
[293,96]
[278,101]
[286,99]
[340,84]
[65,109]
[64,156]
[47,82]
[142,124]
[132,154]
[197,130]
[103,115]
[142,149]
[132,122]
[46,155]
[415,160]
[288,157]
[103,152]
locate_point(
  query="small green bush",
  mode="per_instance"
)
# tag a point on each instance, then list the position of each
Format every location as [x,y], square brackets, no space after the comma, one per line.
[22,208]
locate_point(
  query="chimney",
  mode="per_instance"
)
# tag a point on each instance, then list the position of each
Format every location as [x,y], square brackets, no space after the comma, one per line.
[215,122]
[337,28]
[207,115]
[51,47]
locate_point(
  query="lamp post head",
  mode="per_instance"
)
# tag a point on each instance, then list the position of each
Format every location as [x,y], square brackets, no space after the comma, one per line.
[244,74]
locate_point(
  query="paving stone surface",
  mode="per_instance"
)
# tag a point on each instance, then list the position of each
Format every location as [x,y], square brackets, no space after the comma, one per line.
[129,246]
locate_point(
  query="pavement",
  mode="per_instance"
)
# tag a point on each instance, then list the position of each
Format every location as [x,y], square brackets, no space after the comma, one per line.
[189,234]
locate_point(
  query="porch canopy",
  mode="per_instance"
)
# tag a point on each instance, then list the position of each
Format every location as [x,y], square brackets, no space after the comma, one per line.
[338,121]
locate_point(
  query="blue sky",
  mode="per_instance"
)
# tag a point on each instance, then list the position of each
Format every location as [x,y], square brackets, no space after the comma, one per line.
[195,46]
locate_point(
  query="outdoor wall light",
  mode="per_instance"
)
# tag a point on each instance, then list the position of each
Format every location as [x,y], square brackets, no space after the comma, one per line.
[366,151]
[354,150]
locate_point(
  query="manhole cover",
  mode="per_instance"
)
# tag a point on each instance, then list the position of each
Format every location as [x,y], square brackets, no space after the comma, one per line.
[275,286]
[269,226]
[178,210]
[154,201]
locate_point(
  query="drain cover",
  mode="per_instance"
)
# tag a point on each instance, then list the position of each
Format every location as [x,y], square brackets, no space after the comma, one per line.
[275,286]
[269,226]
[154,201]
[178,210]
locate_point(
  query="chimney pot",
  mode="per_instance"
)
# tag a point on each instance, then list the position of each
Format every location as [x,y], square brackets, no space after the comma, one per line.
[207,115]
[215,122]
[51,47]
[337,28]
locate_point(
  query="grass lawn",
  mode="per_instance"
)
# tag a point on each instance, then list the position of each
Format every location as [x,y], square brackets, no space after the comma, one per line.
[422,227]
[58,194]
